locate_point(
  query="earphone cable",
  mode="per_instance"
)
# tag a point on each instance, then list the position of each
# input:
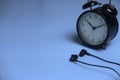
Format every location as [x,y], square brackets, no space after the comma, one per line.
[105,60]
[99,66]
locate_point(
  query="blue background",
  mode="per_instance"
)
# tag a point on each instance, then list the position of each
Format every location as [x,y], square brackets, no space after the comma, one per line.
[37,38]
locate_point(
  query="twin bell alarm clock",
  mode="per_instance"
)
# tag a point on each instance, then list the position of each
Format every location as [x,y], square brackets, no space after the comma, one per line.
[98,25]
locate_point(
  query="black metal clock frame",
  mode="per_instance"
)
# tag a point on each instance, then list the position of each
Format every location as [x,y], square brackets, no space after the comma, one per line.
[109,17]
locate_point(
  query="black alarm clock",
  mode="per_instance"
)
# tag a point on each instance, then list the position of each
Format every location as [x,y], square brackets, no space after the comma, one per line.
[95,27]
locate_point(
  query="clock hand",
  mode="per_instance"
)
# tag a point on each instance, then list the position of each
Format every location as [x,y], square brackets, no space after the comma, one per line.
[100,26]
[89,23]
[94,28]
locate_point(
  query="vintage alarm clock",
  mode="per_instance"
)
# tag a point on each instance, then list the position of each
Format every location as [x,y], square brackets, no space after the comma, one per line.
[97,26]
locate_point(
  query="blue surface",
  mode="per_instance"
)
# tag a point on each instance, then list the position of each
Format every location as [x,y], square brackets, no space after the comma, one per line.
[37,38]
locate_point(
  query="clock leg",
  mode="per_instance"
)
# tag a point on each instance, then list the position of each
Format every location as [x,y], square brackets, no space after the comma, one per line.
[104,46]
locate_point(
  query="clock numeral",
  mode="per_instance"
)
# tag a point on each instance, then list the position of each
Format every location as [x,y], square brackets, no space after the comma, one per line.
[88,35]
[83,24]
[95,16]
[101,19]
[90,16]
[84,31]
[103,36]
[99,40]
[93,40]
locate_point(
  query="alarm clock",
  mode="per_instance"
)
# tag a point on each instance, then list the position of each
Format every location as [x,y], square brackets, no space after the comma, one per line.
[95,27]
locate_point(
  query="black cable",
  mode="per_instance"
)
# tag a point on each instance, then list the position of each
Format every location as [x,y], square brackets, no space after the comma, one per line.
[105,60]
[99,66]
[84,52]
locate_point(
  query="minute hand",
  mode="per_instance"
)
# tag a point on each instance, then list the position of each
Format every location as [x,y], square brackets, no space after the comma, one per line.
[100,26]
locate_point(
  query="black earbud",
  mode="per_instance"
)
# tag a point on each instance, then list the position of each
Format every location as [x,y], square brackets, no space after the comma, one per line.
[83,52]
[73,58]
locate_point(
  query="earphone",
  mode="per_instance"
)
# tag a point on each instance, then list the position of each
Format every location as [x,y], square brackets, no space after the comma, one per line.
[83,52]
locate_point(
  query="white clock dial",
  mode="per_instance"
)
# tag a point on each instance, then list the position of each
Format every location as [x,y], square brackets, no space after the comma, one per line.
[92,28]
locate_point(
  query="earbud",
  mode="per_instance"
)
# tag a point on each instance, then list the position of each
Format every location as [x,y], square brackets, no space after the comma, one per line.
[83,52]
[73,58]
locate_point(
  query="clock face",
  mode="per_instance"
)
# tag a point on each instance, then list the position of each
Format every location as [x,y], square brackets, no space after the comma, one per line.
[92,28]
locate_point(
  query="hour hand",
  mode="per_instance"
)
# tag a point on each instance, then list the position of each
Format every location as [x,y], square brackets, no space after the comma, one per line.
[89,23]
